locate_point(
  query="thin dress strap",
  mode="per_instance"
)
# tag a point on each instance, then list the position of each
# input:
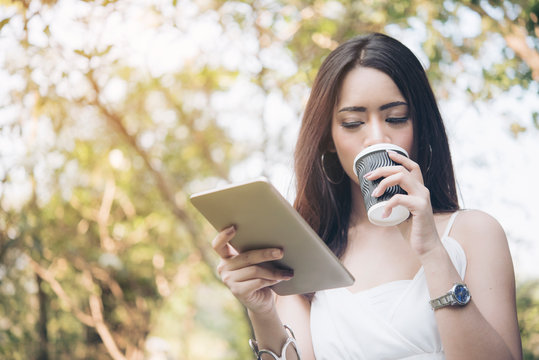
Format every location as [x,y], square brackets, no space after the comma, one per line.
[450,224]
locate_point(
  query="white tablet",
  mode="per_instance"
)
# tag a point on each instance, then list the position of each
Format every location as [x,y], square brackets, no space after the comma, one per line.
[264,219]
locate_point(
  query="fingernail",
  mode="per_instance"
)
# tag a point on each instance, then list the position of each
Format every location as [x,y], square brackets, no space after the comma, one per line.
[391,152]
[375,192]
[276,253]
[230,230]
[367,174]
[288,274]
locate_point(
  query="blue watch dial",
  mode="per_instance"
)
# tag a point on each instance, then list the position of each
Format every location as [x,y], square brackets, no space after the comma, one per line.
[462,295]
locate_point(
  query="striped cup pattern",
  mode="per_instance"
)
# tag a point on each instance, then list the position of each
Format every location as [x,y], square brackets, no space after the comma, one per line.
[370,162]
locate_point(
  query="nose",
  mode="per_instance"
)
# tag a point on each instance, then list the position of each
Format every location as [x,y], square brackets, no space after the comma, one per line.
[376,133]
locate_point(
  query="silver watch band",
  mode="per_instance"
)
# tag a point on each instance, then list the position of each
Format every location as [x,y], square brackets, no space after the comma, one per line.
[445,300]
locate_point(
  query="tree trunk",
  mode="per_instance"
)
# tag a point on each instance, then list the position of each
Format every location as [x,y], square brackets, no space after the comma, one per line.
[43,350]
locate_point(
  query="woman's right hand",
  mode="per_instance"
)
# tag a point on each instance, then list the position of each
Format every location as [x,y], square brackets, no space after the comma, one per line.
[243,275]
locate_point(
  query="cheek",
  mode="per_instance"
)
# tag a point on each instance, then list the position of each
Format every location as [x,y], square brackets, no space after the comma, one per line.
[405,139]
[409,143]
[347,149]
[347,162]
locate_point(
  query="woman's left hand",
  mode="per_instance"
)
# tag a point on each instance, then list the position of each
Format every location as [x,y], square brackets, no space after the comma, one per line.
[420,228]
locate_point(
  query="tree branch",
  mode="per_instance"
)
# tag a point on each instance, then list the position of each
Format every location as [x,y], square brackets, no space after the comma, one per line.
[48,277]
[516,40]
[96,309]
[166,194]
[515,37]
[103,216]
[94,320]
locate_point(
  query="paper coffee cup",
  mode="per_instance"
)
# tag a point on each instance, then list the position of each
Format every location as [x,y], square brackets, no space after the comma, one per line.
[369,159]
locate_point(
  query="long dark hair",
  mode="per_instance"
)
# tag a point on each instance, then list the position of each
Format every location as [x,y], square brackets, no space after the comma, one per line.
[326,206]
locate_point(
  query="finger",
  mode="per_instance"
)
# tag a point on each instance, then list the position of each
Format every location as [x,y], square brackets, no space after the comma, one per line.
[403,179]
[386,171]
[405,161]
[254,257]
[256,272]
[246,289]
[221,243]
[412,203]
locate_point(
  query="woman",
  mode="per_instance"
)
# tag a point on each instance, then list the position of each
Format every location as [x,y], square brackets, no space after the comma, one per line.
[371,90]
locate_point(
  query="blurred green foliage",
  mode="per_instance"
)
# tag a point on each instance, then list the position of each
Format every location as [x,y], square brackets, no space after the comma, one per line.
[101,255]
[528,317]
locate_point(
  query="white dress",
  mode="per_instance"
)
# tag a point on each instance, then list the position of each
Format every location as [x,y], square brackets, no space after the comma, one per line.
[390,321]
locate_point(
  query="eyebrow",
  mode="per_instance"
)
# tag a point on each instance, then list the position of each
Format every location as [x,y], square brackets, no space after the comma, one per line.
[364,109]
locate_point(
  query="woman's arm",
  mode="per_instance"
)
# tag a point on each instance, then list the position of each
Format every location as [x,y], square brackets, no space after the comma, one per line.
[295,311]
[250,283]
[487,327]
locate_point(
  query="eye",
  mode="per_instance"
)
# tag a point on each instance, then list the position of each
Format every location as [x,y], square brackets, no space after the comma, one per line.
[351,124]
[399,120]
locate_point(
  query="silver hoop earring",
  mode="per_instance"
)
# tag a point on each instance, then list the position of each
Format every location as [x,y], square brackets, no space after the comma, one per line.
[333,166]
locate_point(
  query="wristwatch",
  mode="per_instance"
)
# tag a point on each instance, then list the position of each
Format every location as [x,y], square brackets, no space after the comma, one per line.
[458,295]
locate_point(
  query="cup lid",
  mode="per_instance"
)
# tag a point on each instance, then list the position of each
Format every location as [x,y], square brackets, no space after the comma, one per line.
[377,147]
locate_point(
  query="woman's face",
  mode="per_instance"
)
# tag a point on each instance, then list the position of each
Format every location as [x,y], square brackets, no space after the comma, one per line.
[370,110]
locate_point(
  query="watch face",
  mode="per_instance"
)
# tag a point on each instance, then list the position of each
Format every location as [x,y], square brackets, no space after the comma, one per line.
[462,295]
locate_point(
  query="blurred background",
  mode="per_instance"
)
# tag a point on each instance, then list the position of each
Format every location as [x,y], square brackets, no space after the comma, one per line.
[113,112]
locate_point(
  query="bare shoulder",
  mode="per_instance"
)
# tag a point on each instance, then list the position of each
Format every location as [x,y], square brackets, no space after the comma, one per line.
[477,219]
[475,228]
[487,251]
